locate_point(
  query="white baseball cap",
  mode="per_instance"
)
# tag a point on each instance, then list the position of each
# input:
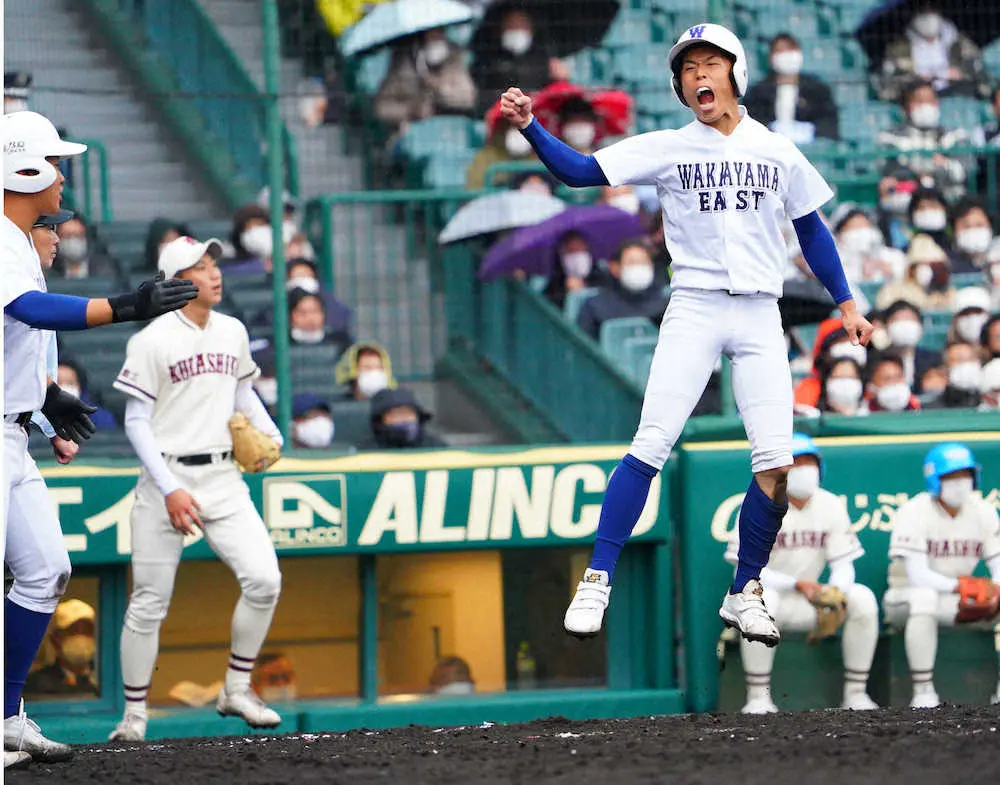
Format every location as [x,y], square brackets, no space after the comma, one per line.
[990,381]
[28,139]
[177,255]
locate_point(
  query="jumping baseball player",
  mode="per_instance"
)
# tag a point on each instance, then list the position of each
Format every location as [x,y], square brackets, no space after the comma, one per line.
[815,533]
[938,539]
[725,184]
[33,544]
[185,375]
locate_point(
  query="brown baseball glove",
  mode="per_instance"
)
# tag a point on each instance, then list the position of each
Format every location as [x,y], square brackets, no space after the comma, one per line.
[253,450]
[979,599]
[831,610]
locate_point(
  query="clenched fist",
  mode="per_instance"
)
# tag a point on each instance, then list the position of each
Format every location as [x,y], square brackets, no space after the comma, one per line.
[515,106]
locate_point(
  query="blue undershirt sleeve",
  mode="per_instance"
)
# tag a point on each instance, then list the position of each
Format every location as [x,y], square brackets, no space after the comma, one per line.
[570,167]
[821,255]
[46,311]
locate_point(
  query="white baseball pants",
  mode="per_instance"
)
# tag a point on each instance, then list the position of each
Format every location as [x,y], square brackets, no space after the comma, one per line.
[33,546]
[699,326]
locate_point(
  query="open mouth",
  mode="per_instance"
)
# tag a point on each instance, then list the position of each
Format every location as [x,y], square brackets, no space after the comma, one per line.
[705,96]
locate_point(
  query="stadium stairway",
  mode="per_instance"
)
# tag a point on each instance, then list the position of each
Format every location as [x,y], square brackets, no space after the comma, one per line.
[82,87]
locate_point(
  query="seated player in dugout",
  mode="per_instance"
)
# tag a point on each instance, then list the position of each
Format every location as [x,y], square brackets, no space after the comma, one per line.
[939,538]
[73,648]
[815,533]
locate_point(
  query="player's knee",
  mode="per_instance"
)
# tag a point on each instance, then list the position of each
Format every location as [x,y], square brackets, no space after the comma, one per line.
[264,589]
[923,602]
[651,445]
[861,601]
[146,610]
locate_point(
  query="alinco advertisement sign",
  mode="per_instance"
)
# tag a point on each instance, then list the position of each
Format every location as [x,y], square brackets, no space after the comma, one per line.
[381,502]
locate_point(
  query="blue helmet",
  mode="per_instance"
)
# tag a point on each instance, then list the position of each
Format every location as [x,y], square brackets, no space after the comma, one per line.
[944,459]
[803,445]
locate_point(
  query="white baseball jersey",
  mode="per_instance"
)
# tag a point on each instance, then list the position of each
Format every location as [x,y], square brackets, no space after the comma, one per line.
[810,538]
[954,546]
[24,347]
[191,375]
[724,199]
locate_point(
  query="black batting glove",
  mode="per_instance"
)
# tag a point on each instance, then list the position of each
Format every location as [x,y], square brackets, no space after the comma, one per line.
[153,298]
[68,414]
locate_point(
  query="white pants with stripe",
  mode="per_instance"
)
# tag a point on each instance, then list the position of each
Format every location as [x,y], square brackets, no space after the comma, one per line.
[700,326]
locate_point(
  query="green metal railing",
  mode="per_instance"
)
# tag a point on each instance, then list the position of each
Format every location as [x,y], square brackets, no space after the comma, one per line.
[81,195]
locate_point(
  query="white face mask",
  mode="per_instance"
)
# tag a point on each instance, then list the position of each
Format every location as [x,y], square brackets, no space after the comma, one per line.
[925,115]
[966,376]
[905,333]
[930,219]
[517,41]
[787,63]
[78,650]
[970,326]
[579,135]
[927,24]
[303,282]
[955,491]
[846,349]
[894,397]
[897,203]
[974,240]
[627,202]
[637,277]
[73,249]
[844,392]
[257,241]
[316,432]
[288,230]
[803,481]
[577,264]
[267,389]
[278,693]
[516,144]
[307,336]
[72,389]
[435,52]
[863,240]
[370,382]
[923,275]
[456,688]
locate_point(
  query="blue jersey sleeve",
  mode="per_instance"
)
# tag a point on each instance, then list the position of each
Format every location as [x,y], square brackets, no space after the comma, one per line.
[821,255]
[570,167]
[45,311]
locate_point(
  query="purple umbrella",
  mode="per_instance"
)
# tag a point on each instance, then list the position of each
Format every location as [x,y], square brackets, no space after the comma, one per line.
[533,248]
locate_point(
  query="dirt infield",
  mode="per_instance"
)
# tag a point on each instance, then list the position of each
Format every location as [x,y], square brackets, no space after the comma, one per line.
[951,744]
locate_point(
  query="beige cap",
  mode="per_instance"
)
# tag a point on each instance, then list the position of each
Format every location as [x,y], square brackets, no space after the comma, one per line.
[923,249]
[177,255]
[991,377]
[69,612]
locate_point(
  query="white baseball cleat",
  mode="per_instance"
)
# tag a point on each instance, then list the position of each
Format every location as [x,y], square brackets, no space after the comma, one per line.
[12,759]
[747,613]
[925,700]
[21,734]
[131,728]
[249,706]
[762,705]
[995,697]
[585,614]
[859,701]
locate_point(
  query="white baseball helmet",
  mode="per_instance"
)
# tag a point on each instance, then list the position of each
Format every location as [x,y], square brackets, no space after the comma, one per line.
[719,36]
[28,139]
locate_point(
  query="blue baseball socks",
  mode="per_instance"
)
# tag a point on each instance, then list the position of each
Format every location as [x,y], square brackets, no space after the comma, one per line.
[623,503]
[760,520]
[24,631]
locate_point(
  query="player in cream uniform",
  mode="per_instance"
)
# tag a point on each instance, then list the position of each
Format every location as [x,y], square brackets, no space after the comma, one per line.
[815,533]
[726,184]
[185,375]
[938,536]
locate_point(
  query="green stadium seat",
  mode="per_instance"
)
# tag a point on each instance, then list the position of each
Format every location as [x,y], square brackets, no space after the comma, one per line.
[96,286]
[962,280]
[615,331]
[253,303]
[243,281]
[641,64]
[638,357]
[991,58]
[447,170]
[632,26]
[434,134]
[962,112]
[371,70]
[574,302]
[537,283]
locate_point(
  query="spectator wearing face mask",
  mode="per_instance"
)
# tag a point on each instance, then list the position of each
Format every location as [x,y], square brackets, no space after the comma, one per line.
[74,646]
[927,283]
[794,104]
[161,232]
[965,375]
[932,50]
[427,76]
[574,269]
[843,388]
[928,214]
[72,378]
[307,318]
[916,141]
[989,388]
[972,312]
[972,229]
[302,274]
[77,256]
[504,144]
[399,421]
[896,189]
[364,369]
[251,240]
[451,676]
[988,135]
[578,125]
[989,339]
[312,422]
[932,384]
[623,197]
[905,329]
[534,182]
[831,343]
[887,390]
[862,247]
[16,91]
[631,290]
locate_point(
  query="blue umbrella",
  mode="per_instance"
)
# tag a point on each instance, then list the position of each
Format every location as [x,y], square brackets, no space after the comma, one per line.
[533,248]
[389,21]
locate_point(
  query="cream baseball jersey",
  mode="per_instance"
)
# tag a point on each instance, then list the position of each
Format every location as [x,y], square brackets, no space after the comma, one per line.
[24,347]
[954,546]
[190,374]
[724,199]
[810,538]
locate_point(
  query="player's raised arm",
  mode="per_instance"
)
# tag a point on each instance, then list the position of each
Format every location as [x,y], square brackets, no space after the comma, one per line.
[569,166]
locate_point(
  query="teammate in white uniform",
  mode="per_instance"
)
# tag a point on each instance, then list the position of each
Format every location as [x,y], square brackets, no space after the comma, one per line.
[725,184]
[937,537]
[815,533]
[185,375]
[33,544]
